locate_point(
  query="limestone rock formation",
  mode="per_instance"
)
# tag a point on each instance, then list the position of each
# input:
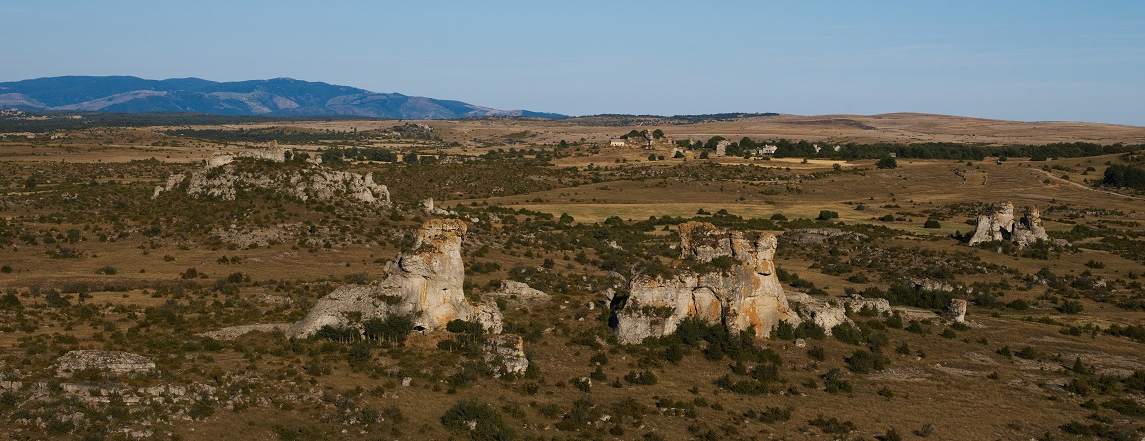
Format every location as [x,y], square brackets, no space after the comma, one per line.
[273,154]
[927,284]
[998,223]
[828,314]
[824,314]
[805,236]
[111,362]
[223,178]
[428,207]
[505,354]
[1028,229]
[741,293]
[424,284]
[233,332]
[521,293]
[957,310]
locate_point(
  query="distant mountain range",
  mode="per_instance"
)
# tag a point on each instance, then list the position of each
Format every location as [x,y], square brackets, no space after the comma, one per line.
[275,97]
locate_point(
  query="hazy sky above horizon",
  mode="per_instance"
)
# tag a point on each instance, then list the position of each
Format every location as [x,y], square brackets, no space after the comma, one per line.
[1022,60]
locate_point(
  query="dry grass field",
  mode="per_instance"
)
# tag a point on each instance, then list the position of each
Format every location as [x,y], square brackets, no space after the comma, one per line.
[1053,346]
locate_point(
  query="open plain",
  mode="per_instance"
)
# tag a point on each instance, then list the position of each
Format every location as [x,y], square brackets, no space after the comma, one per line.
[380,279]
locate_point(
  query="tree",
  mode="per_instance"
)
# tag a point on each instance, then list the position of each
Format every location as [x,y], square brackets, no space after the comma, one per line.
[887,162]
[657,134]
[931,223]
[827,214]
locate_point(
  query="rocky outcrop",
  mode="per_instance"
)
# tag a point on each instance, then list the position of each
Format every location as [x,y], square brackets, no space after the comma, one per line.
[273,154]
[927,284]
[829,313]
[956,311]
[505,354]
[223,178]
[428,207]
[806,236]
[521,293]
[114,363]
[424,284]
[998,223]
[723,277]
[1028,229]
[233,332]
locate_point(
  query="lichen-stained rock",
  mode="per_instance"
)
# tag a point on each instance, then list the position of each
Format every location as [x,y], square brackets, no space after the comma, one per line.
[425,284]
[111,362]
[998,223]
[505,354]
[742,292]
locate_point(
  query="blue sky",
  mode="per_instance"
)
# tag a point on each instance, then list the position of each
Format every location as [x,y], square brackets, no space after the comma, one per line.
[1022,60]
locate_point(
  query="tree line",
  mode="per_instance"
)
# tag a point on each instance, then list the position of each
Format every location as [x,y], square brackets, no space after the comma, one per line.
[786,148]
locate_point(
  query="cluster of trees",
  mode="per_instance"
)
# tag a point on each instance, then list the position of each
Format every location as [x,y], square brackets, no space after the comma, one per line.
[1128,176]
[786,148]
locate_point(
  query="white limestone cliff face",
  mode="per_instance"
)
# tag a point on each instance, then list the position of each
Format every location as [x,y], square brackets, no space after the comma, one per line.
[223,178]
[424,284]
[999,223]
[747,295]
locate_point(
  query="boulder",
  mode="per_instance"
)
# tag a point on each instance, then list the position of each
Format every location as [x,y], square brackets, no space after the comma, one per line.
[114,363]
[424,284]
[743,295]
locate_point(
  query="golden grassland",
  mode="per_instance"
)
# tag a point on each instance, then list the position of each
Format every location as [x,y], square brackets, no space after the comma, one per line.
[957,384]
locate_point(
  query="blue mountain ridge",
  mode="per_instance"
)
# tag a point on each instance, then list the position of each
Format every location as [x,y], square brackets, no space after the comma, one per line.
[273,97]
